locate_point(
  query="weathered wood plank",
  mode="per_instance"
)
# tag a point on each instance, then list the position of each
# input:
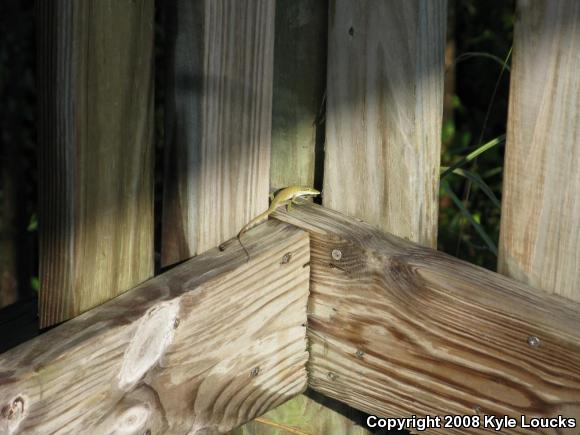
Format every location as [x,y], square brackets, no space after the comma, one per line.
[397,329]
[384,111]
[219,115]
[96,191]
[299,80]
[540,222]
[298,89]
[202,348]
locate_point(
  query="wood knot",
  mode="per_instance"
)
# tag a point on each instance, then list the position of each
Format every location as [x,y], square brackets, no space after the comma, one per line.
[12,414]
[14,409]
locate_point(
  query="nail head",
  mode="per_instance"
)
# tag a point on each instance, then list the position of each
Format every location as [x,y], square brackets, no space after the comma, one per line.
[336,254]
[533,341]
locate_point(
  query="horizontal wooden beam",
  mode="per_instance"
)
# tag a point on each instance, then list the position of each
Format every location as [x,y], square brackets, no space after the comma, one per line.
[202,348]
[396,329]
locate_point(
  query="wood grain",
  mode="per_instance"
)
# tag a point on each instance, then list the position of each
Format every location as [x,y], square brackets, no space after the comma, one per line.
[540,223]
[96,191]
[299,80]
[384,111]
[202,348]
[298,88]
[219,115]
[396,329]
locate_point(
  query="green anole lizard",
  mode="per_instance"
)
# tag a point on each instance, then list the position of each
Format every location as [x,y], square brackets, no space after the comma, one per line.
[287,196]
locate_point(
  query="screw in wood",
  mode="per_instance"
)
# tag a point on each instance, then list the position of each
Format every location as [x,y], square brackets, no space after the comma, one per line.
[359,354]
[255,372]
[533,341]
[286,258]
[176,323]
[336,254]
[332,376]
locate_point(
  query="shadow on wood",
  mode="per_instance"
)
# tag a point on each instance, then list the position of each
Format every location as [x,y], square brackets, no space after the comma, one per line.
[206,346]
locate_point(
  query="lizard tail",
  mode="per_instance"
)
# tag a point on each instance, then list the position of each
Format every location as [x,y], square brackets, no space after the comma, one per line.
[243,247]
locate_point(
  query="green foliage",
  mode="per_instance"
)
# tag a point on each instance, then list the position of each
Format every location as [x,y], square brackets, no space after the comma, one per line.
[472,159]
[18,138]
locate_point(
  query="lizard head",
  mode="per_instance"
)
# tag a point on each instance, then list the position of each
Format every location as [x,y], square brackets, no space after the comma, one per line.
[308,191]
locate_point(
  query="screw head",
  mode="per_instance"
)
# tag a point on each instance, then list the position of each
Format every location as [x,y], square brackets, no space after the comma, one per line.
[255,372]
[533,341]
[336,254]
[359,354]
[332,376]
[286,258]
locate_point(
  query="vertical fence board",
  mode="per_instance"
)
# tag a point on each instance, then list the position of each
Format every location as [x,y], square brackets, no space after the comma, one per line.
[298,88]
[384,110]
[96,223]
[299,79]
[219,117]
[540,224]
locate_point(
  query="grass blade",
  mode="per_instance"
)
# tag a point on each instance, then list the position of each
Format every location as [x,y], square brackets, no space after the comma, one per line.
[474,154]
[472,54]
[476,225]
[478,181]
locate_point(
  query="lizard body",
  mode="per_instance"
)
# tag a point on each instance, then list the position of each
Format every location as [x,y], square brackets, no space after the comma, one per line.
[287,196]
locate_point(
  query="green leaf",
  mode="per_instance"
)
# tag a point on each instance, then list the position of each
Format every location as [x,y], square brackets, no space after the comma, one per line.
[33,224]
[476,225]
[35,283]
[478,181]
[448,131]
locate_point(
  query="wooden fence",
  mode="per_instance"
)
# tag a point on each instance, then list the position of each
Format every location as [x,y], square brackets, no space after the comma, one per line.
[386,325]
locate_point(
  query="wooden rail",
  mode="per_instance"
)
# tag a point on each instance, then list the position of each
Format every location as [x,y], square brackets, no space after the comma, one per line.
[202,348]
[397,329]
